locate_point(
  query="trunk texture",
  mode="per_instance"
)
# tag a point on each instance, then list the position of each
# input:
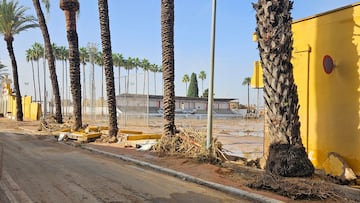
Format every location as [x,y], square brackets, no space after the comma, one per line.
[108,66]
[280,92]
[51,60]
[19,112]
[167,42]
[70,7]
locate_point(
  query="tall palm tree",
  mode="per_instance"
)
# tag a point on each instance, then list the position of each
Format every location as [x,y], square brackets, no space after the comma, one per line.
[145,64]
[38,50]
[108,65]
[246,82]
[13,21]
[128,65]
[185,80]
[63,56]
[287,156]
[70,8]
[92,50]
[84,57]
[154,68]
[137,64]
[167,42]
[202,77]
[118,61]
[49,56]
[30,57]
[99,60]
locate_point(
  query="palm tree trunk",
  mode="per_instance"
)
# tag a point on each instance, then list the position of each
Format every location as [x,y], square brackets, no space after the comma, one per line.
[19,112]
[248,98]
[70,8]
[38,73]
[154,83]
[167,41]
[108,65]
[51,61]
[102,90]
[33,74]
[280,91]
[119,81]
[84,90]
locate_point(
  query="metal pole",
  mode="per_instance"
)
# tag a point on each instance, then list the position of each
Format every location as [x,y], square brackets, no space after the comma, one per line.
[45,93]
[147,100]
[211,81]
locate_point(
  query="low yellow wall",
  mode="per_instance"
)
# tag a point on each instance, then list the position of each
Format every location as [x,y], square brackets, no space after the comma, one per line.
[31,110]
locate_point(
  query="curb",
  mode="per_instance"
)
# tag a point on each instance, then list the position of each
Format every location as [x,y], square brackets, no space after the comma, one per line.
[185,177]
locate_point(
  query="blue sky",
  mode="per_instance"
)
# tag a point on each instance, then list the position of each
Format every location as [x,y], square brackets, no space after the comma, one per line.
[135,32]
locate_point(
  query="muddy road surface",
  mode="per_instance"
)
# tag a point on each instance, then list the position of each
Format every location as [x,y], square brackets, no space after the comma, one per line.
[39,169]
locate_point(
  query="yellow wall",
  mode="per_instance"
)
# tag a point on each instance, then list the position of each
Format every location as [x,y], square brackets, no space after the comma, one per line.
[329,103]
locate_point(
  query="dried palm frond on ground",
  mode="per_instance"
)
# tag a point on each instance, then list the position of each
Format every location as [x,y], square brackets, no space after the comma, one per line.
[296,188]
[190,143]
[49,124]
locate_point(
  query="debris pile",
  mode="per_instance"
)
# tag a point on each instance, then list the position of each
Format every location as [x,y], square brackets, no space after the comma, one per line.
[296,188]
[190,143]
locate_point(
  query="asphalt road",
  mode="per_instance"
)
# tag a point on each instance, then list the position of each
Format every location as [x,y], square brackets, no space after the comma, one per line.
[38,169]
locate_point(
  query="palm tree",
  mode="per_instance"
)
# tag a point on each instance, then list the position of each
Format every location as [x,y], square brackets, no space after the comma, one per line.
[202,77]
[118,61]
[92,50]
[108,65]
[30,57]
[99,60]
[185,80]
[63,56]
[167,42]
[137,63]
[70,8]
[50,57]
[13,21]
[84,57]
[146,67]
[128,65]
[2,73]
[38,53]
[287,156]
[154,68]
[246,82]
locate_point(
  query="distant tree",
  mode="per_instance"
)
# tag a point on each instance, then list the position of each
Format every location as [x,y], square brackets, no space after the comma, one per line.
[202,77]
[246,82]
[185,80]
[206,93]
[30,57]
[193,86]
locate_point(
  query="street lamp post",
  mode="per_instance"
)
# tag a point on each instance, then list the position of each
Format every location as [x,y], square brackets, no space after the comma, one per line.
[211,81]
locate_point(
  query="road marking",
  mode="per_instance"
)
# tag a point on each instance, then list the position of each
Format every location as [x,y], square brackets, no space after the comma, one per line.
[12,190]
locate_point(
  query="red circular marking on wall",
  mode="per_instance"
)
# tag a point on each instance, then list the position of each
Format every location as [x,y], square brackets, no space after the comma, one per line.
[328,64]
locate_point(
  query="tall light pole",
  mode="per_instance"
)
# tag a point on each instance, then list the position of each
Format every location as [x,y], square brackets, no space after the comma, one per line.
[211,81]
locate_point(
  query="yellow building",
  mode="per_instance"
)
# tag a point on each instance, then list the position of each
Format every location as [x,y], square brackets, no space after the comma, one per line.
[326,59]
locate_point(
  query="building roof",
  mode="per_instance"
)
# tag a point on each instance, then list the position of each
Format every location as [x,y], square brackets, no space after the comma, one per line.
[177,97]
[327,12]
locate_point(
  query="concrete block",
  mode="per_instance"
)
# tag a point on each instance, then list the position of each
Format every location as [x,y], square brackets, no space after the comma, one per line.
[337,167]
